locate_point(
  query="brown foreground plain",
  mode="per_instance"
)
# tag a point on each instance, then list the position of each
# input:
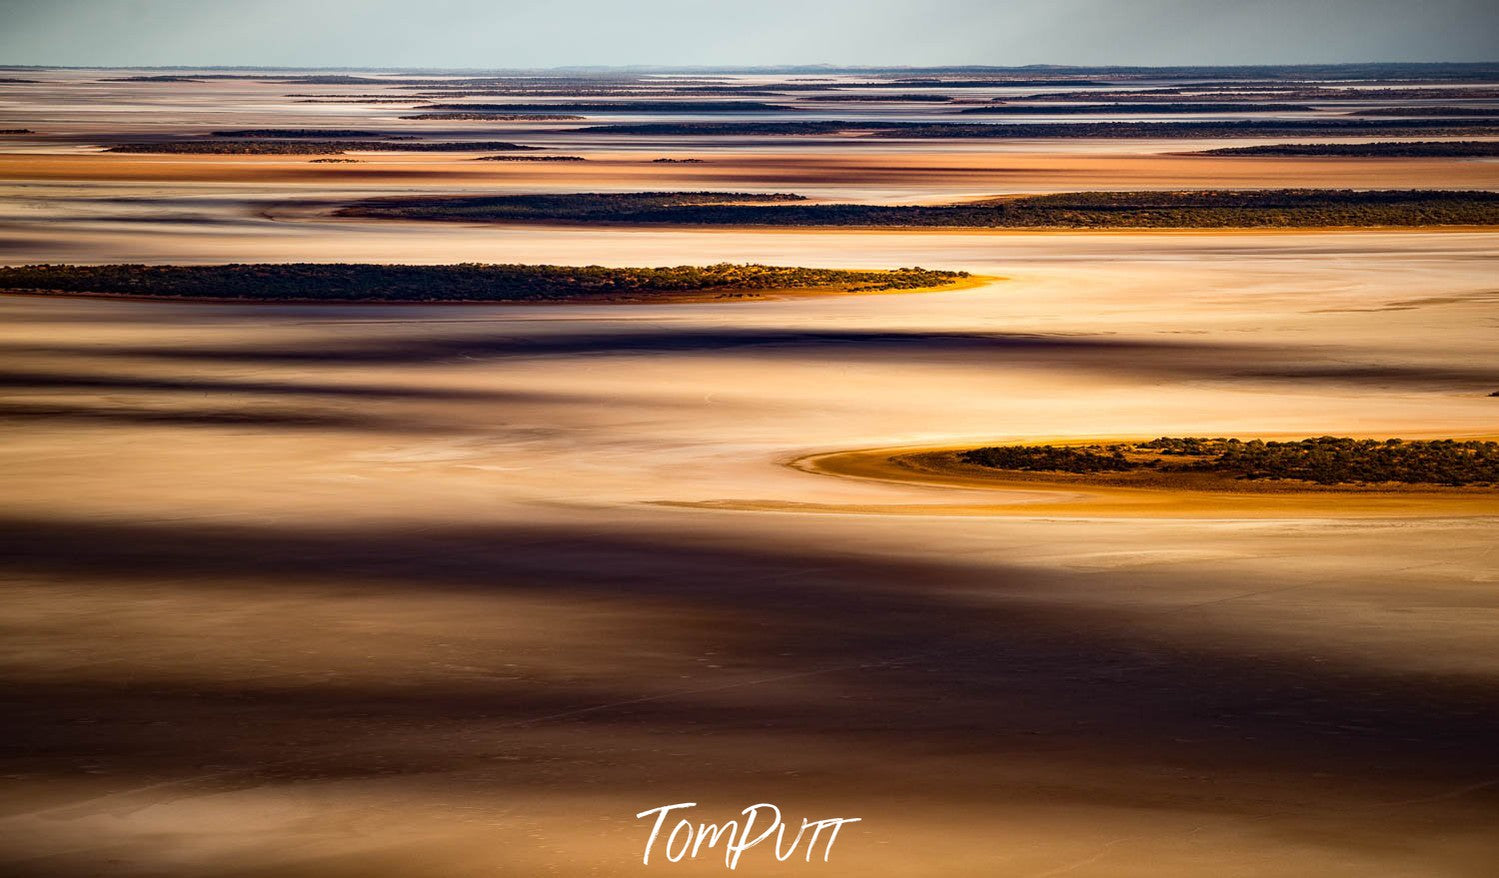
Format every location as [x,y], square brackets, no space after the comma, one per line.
[308,590]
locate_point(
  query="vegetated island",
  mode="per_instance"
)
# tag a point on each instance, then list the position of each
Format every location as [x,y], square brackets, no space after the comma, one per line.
[919,98]
[1224,464]
[358,100]
[1251,93]
[530,158]
[1381,149]
[310,147]
[1255,208]
[620,107]
[464,282]
[929,82]
[1143,108]
[494,117]
[306,133]
[1002,130]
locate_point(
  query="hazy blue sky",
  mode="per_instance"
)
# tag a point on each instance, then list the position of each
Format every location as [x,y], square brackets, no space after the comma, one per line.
[521,33]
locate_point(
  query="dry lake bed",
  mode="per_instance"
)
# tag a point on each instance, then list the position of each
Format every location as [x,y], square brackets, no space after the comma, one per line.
[373,589]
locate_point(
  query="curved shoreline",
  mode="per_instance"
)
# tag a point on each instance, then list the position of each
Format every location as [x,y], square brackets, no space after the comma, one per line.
[697,297]
[573,225]
[1041,496]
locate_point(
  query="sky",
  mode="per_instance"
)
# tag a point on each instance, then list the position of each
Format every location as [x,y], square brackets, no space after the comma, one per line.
[497,34]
